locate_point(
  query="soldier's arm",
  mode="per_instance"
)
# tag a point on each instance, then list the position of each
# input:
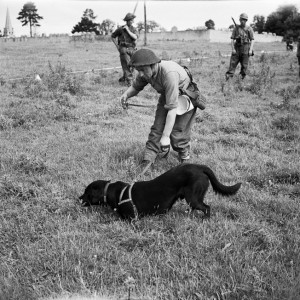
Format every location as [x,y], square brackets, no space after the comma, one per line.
[171,88]
[233,37]
[133,35]
[115,42]
[251,41]
[232,46]
[114,38]
[251,47]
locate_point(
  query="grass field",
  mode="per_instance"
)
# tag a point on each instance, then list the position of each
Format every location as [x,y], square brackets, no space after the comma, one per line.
[59,134]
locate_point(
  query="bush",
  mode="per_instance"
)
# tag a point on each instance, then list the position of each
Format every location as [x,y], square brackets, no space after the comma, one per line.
[262,80]
[59,79]
[289,93]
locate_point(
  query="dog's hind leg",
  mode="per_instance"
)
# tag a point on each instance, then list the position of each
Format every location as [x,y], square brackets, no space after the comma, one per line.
[195,201]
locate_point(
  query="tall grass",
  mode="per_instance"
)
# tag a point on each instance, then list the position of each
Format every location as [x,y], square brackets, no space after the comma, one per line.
[59,134]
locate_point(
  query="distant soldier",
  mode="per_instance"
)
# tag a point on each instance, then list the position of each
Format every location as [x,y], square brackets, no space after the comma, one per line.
[125,38]
[298,53]
[242,40]
[290,44]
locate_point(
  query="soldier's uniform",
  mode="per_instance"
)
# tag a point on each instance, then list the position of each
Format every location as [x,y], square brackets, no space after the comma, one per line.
[127,46]
[243,38]
[167,80]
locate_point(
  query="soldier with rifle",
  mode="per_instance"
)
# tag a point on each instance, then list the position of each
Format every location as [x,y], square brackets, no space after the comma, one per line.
[125,38]
[242,40]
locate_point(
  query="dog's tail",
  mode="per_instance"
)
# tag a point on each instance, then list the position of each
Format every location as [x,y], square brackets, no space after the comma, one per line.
[217,186]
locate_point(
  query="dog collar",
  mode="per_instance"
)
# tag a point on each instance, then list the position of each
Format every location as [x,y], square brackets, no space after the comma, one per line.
[105,191]
[135,211]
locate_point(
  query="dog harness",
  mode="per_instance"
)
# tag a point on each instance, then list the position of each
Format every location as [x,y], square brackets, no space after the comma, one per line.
[135,211]
[105,192]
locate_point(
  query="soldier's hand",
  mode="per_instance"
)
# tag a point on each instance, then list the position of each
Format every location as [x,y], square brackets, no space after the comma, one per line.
[233,52]
[123,101]
[164,143]
[125,27]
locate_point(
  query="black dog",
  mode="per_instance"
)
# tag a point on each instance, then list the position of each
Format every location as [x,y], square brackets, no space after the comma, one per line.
[157,196]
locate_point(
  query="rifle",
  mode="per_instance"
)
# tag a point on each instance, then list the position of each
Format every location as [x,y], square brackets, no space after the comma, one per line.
[233,22]
[238,39]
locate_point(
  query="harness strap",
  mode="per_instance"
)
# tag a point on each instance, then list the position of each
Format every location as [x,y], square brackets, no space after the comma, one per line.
[105,191]
[135,211]
[121,195]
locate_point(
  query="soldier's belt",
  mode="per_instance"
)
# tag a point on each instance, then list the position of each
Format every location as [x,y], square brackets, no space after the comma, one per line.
[127,45]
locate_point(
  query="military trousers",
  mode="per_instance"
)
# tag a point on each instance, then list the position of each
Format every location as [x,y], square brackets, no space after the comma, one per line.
[180,137]
[241,56]
[125,55]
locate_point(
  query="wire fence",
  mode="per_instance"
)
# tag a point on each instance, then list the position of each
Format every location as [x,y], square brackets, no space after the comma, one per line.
[179,59]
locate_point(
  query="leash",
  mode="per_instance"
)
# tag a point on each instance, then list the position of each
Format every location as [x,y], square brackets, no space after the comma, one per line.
[139,105]
[143,172]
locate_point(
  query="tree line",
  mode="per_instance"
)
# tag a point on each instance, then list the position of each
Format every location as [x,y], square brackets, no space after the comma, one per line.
[285,21]
[88,24]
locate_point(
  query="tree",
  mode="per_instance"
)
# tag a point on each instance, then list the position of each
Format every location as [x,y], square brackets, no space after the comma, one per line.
[106,27]
[151,25]
[86,24]
[284,22]
[174,29]
[89,13]
[29,14]
[258,23]
[210,24]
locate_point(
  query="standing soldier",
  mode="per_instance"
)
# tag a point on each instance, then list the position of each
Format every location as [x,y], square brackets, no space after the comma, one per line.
[242,40]
[125,38]
[167,78]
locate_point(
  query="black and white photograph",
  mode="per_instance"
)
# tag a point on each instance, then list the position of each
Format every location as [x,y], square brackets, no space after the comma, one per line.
[149,150]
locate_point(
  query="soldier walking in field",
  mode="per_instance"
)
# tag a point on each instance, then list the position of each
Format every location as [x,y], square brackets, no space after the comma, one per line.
[125,38]
[242,40]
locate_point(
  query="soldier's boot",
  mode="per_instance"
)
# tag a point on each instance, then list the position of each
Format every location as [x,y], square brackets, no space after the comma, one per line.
[122,79]
[184,157]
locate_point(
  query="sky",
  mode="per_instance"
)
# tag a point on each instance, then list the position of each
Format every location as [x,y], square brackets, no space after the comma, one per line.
[60,16]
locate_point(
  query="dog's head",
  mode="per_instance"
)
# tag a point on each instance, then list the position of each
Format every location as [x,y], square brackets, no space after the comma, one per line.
[94,193]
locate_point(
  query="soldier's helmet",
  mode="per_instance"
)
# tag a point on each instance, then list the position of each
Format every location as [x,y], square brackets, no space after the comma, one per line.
[143,57]
[129,17]
[244,16]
